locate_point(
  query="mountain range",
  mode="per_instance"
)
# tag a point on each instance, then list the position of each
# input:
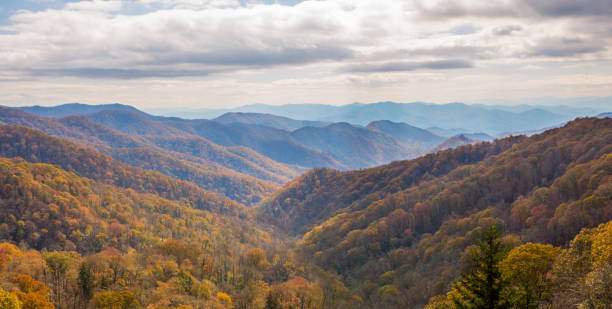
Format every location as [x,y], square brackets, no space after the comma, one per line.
[278,122]
[491,120]
[298,144]
[107,208]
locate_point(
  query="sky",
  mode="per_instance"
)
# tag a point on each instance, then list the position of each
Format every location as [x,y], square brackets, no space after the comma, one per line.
[228,53]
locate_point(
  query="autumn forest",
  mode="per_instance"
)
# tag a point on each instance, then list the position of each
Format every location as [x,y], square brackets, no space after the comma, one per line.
[111,207]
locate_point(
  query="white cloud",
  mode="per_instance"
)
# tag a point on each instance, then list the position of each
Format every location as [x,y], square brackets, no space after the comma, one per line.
[352,44]
[95,5]
[190,4]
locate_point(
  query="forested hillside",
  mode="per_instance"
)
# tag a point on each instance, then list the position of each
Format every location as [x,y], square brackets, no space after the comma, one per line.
[242,175]
[396,232]
[355,147]
[270,142]
[36,146]
[86,244]
[110,219]
[262,154]
[455,142]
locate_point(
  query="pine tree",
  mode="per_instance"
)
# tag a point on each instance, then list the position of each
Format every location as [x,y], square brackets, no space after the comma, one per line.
[85,280]
[272,301]
[482,287]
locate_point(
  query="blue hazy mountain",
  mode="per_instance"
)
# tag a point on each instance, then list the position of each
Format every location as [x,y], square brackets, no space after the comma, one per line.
[605,115]
[278,122]
[73,109]
[475,118]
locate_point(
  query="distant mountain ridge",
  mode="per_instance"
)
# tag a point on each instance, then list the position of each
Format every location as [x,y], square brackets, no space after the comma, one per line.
[273,143]
[605,115]
[35,146]
[454,142]
[278,122]
[358,147]
[478,118]
[305,143]
[404,132]
[70,109]
[232,172]
[417,140]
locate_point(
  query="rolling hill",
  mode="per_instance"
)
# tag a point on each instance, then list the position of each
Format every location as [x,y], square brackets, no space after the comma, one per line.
[417,139]
[37,147]
[213,167]
[454,142]
[605,115]
[407,227]
[404,132]
[353,146]
[338,145]
[278,122]
[71,109]
[92,244]
[273,143]
[312,144]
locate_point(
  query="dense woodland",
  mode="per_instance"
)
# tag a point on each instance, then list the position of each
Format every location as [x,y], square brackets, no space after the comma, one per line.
[75,242]
[87,224]
[400,233]
[236,172]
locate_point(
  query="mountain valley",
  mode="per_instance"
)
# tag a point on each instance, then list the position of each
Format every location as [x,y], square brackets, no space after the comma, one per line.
[256,211]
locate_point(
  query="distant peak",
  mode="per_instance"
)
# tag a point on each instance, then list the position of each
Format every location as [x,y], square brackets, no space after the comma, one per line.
[341,124]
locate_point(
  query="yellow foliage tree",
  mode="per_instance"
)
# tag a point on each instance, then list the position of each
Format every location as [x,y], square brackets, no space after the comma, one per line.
[8,300]
[33,294]
[527,269]
[225,299]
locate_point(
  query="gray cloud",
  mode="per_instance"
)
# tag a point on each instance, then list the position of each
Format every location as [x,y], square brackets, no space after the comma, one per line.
[254,57]
[444,52]
[514,8]
[454,8]
[558,8]
[407,66]
[119,73]
[506,30]
[565,47]
[171,64]
[170,43]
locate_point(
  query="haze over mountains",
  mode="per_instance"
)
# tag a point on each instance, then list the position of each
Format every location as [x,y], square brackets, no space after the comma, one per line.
[244,156]
[298,143]
[492,120]
[338,142]
[278,122]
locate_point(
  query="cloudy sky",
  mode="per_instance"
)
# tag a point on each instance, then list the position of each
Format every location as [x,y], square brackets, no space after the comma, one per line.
[226,53]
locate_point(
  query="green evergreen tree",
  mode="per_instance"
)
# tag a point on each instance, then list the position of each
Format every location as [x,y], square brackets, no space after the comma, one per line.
[272,301]
[483,286]
[86,280]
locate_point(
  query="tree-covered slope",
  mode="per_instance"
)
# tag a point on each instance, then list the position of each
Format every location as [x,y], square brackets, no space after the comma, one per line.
[212,167]
[88,244]
[353,146]
[454,142]
[406,225]
[270,142]
[35,146]
[49,208]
